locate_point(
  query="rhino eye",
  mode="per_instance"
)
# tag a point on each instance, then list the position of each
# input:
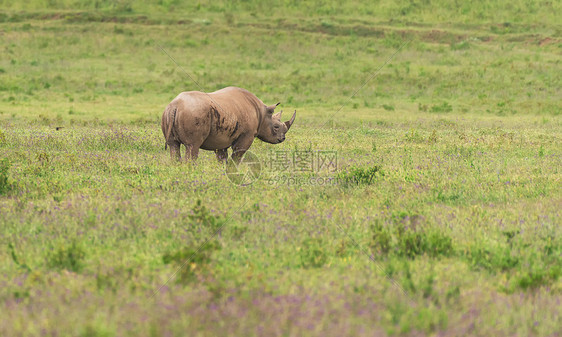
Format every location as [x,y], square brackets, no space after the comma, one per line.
[276,127]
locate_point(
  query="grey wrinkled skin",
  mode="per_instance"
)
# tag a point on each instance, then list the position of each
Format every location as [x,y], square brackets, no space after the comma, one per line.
[230,117]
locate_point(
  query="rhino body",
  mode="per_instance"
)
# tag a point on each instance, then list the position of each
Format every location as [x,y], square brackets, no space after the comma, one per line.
[230,117]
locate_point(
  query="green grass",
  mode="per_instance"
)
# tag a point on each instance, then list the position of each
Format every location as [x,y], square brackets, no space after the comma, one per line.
[443,216]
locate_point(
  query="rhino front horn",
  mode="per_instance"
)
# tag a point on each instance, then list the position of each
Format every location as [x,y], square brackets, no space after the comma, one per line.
[289,123]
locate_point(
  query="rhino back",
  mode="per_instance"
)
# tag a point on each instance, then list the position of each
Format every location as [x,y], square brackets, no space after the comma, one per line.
[220,117]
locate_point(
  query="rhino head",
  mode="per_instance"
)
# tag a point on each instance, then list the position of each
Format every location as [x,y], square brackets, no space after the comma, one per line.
[272,130]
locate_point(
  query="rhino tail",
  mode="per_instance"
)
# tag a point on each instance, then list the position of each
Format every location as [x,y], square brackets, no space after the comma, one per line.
[170,119]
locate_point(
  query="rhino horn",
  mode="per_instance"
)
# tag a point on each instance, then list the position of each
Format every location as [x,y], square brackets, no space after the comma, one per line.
[290,122]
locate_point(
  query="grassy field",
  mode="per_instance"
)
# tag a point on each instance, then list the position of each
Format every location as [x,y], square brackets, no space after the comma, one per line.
[442,217]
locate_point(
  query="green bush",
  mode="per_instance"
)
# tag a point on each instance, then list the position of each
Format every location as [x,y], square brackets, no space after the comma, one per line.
[528,266]
[17,259]
[388,107]
[407,241]
[4,169]
[439,244]
[381,240]
[492,258]
[410,243]
[202,218]
[313,254]
[413,136]
[537,276]
[359,175]
[443,107]
[67,256]
[192,262]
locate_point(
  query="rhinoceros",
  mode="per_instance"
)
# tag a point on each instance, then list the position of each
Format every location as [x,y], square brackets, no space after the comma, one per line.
[230,117]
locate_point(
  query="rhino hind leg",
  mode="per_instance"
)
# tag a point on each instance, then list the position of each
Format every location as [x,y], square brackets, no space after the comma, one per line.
[191,152]
[175,154]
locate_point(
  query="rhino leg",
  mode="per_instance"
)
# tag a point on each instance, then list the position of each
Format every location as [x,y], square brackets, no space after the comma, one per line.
[191,152]
[175,154]
[222,155]
[240,147]
[192,132]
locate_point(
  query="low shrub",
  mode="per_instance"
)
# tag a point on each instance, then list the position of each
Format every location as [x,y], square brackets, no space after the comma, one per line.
[192,262]
[313,254]
[5,186]
[408,241]
[67,256]
[359,175]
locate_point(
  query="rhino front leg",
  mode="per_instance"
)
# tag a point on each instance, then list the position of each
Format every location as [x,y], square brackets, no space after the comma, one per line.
[222,155]
[240,147]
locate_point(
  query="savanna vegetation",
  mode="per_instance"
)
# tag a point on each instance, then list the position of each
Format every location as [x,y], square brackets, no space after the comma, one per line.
[442,217]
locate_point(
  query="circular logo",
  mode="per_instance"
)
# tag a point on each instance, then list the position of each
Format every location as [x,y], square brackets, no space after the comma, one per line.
[244,172]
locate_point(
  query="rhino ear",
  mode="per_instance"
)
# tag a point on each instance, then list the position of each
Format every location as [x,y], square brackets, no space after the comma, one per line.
[271,108]
[277,116]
